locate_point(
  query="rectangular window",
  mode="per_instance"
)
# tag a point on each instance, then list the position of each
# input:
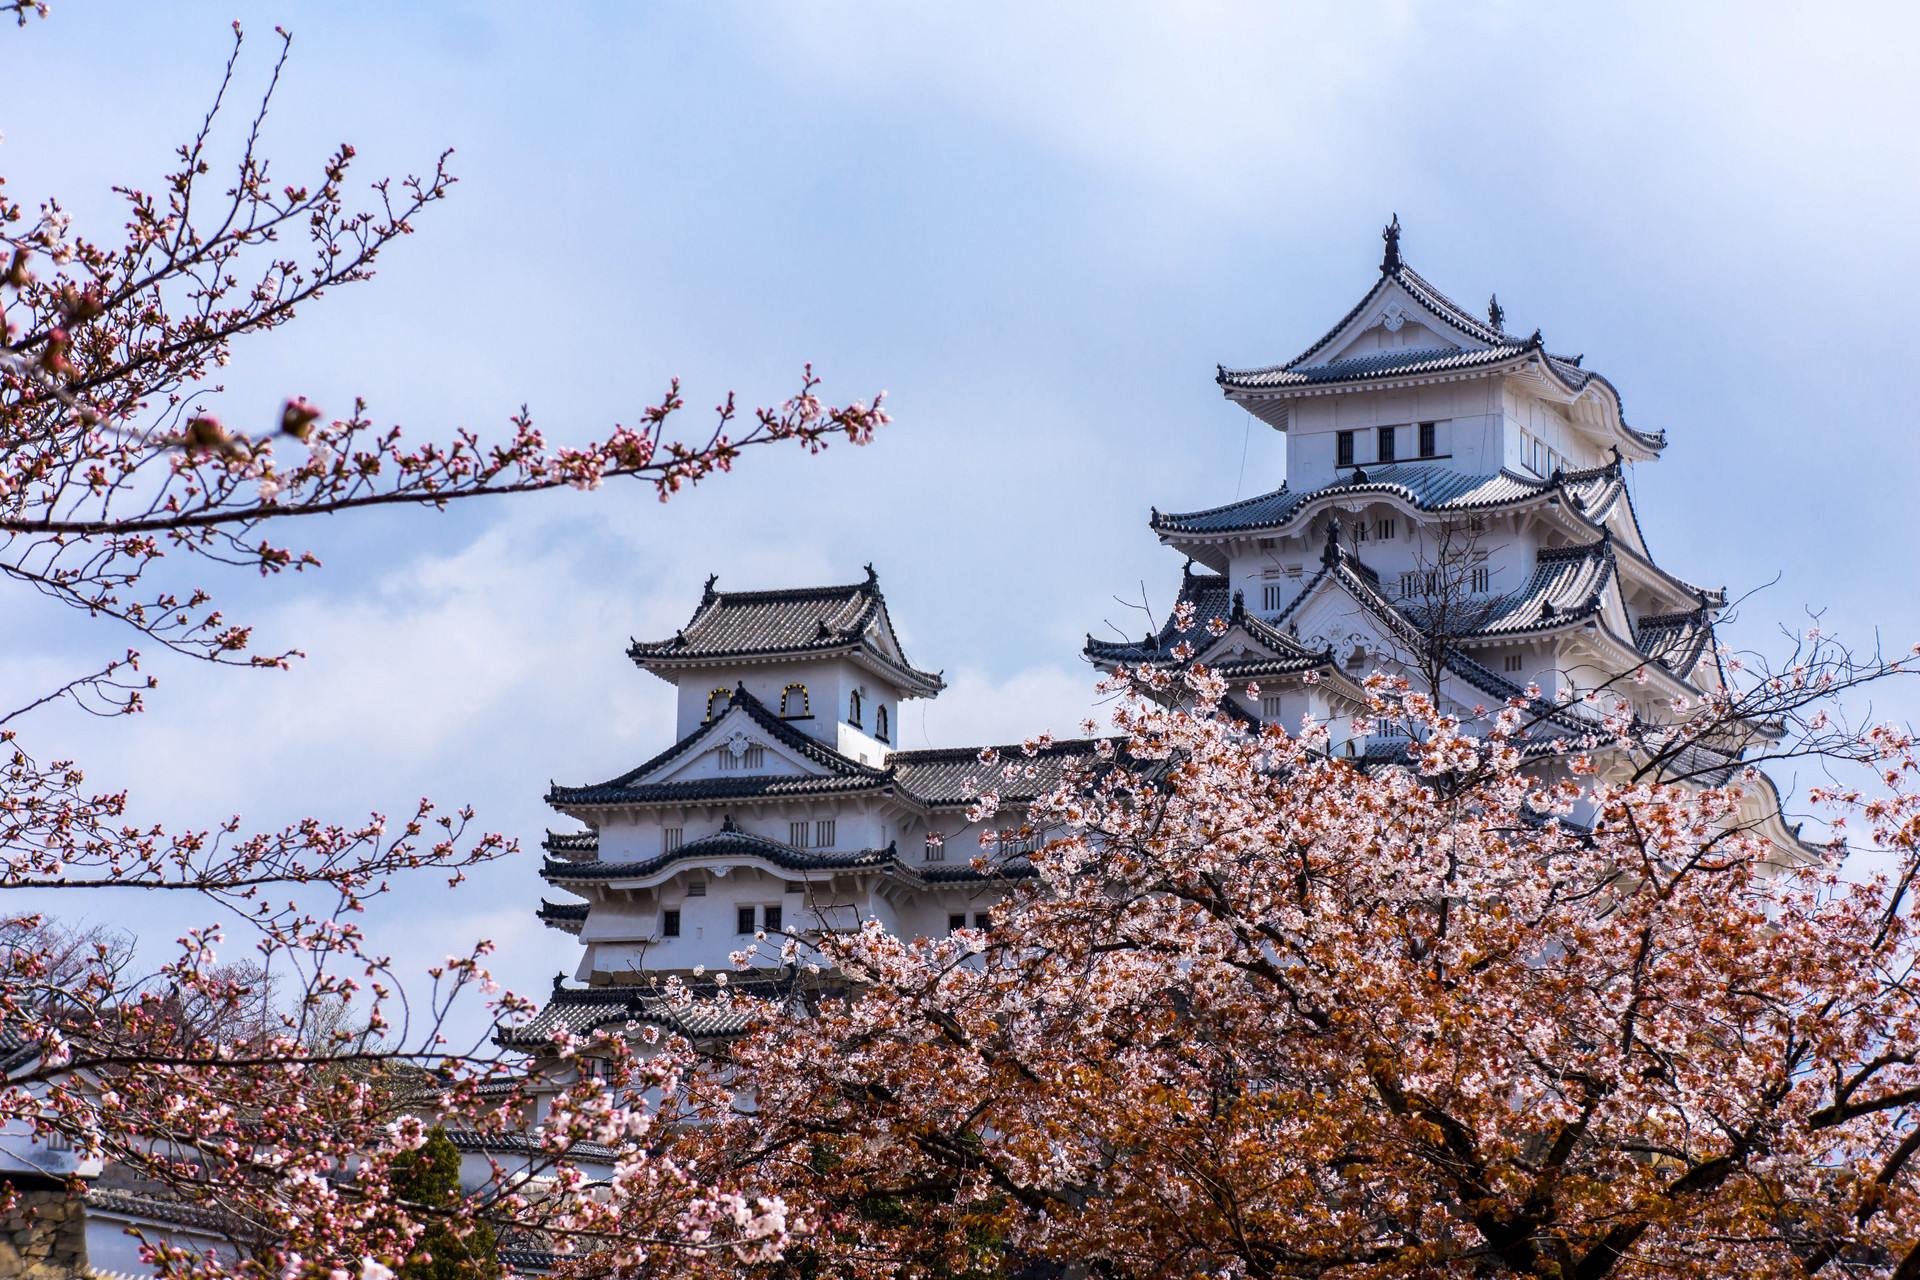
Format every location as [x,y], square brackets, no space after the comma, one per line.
[797,833]
[1266,544]
[1270,597]
[1359,530]
[1386,444]
[1269,573]
[1294,571]
[770,919]
[1410,583]
[728,760]
[1343,449]
[795,886]
[1479,577]
[670,923]
[1432,583]
[672,838]
[696,888]
[1513,662]
[743,920]
[1270,707]
[1428,444]
[823,834]
[755,757]
[1385,530]
[982,920]
[956,920]
[936,850]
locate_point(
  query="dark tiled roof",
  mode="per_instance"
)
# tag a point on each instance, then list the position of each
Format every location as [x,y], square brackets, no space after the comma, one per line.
[154,1209]
[1500,347]
[1211,606]
[728,842]
[1382,364]
[1675,640]
[842,773]
[566,916]
[572,844]
[1565,586]
[955,776]
[520,1144]
[801,623]
[581,1011]
[1422,485]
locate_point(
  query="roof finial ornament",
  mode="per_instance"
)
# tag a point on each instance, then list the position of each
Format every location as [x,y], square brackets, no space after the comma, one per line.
[1330,554]
[559,979]
[1496,314]
[1390,263]
[1536,340]
[1239,602]
[727,824]
[872,577]
[711,579]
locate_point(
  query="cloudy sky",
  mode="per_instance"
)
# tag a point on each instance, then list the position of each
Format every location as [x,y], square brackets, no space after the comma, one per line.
[1038,228]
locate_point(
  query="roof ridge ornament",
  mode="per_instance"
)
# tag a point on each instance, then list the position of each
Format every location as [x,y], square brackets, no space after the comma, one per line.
[1330,554]
[711,579]
[1496,315]
[873,579]
[1390,261]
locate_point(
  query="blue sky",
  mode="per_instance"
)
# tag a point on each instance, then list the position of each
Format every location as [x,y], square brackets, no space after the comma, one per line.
[1038,228]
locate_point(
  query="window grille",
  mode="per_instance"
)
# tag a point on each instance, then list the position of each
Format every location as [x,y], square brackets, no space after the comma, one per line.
[717,703]
[1385,531]
[672,838]
[1478,578]
[1270,597]
[1359,530]
[770,919]
[1386,444]
[728,760]
[1270,707]
[670,923]
[696,888]
[1513,662]
[1410,583]
[1428,444]
[797,833]
[880,723]
[743,920]
[823,834]
[793,702]
[982,920]
[755,757]
[853,708]
[956,920]
[1343,449]
[936,849]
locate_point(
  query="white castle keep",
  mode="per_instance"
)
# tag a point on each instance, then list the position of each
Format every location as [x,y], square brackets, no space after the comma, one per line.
[1456,509]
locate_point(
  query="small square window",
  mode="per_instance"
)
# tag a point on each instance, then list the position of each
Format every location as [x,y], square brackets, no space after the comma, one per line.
[797,833]
[743,920]
[795,886]
[1343,449]
[1513,662]
[696,888]
[672,838]
[755,757]
[823,834]
[670,923]
[1479,578]
[982,920]
[1270,707]
[936,849]
[1385,530]
[956,920]
[770,919]
[1270,597]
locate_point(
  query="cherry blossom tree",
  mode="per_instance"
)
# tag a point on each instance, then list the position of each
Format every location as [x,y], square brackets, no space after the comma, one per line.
[1264,1012]
[227,1076]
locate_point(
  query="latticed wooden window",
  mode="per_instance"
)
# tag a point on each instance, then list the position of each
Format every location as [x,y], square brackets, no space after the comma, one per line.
[823,834]
[672,838]
[936,849]
[797,833]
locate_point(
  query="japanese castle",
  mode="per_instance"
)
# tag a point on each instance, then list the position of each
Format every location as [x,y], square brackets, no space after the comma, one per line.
[1456,509]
